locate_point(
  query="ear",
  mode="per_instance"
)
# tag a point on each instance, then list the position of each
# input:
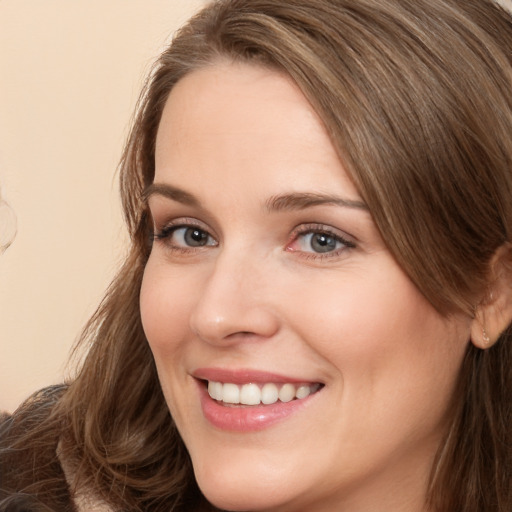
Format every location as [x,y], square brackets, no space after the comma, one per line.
[494,313]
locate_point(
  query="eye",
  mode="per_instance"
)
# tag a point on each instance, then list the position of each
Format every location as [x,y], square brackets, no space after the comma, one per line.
[318,241]
[185,237]
[190,237]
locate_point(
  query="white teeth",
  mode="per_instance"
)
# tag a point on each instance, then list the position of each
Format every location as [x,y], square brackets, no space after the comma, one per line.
[253,394]
[269,394]
[303,392]
[231,394]
[250,394]
[215,390]
[287,393]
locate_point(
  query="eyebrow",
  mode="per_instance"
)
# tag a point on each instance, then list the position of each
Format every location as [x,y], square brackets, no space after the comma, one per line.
[170,192]
[283,202]
[300,200]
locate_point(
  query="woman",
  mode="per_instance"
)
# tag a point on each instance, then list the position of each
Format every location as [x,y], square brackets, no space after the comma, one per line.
[315,312]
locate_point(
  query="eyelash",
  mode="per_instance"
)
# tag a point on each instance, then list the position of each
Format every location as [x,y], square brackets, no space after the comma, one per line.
[166,232]
[305,229]
[319,229]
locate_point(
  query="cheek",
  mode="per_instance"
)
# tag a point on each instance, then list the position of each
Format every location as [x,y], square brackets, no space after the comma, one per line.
[165,302]
[372,315]
[355,319]
[394,354]
[164,305]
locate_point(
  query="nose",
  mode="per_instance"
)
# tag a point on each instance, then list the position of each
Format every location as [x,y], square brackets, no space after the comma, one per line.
[235,303]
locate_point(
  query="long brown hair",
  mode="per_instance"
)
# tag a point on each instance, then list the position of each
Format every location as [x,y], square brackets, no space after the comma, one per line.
[417,98]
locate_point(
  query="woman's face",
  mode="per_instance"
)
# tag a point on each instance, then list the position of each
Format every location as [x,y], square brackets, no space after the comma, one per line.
[268,279]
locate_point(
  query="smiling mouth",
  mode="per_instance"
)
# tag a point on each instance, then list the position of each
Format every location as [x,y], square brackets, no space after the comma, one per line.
[259,394]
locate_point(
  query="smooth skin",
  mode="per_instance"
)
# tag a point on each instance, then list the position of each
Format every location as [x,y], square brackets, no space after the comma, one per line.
[239,277]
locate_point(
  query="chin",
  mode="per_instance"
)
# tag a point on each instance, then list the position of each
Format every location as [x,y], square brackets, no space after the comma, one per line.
[242,493]
[234,500]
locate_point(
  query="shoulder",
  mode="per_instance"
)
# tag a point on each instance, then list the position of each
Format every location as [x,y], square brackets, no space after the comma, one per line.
[30,471]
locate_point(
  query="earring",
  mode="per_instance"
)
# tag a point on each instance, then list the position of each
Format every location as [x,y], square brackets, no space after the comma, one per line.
[485,337]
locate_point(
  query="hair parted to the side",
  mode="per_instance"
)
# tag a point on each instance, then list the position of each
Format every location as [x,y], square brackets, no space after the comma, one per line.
[416,96]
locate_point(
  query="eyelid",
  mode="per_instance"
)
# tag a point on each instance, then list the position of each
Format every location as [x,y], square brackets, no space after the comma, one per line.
[182,222]
[317,227]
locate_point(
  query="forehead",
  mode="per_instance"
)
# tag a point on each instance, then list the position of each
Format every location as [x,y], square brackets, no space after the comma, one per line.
[232,96]
[232,121]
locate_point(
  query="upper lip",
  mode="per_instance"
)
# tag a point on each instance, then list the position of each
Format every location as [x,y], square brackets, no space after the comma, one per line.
[244,376]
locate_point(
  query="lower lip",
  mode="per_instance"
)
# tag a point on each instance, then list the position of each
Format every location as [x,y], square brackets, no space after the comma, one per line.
[241,418]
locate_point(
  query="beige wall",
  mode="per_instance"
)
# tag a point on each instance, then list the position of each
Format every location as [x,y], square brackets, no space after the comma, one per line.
[70,75]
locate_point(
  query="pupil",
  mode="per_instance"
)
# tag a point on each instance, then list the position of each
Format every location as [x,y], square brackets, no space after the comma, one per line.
[195,237]
[323,243]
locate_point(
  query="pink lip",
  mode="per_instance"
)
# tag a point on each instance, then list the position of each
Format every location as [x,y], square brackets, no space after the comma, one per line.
[242,376]
[242,418]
